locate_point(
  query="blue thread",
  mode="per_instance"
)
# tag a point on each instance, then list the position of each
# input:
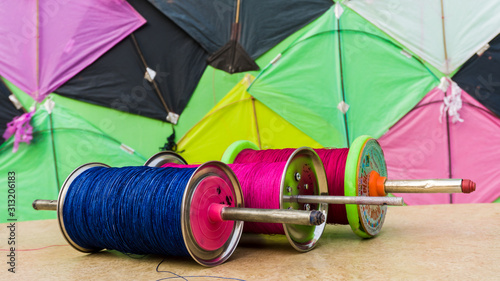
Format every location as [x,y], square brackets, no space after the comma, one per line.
[133,210]
[177,276]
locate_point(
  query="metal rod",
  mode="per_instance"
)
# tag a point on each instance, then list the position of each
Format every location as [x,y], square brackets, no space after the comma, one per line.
[47,205]
[424,186]
[358,200]
[244,214]
[380,186]
[274,216]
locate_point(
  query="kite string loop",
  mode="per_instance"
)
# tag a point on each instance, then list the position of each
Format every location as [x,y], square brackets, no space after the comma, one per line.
[21,128]
[133,210]
[452,103]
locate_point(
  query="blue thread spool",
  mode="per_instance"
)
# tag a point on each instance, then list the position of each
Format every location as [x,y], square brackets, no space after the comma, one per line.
[206,171]
[211,213]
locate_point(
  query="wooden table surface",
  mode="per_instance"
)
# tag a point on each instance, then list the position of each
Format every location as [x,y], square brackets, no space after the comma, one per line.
[446,242]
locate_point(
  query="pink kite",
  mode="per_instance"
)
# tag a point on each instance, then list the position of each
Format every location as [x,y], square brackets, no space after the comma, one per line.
[46,42]
[428,143]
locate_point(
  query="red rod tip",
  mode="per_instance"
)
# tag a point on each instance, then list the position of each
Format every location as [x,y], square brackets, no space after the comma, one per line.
[468,186]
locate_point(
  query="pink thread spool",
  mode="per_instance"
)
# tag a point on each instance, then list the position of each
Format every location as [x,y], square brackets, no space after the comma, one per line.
[347,172]
[363,157]
[264,186]
[358,171]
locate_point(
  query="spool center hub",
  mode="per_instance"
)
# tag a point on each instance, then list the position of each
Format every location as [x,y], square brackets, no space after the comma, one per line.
[210,235]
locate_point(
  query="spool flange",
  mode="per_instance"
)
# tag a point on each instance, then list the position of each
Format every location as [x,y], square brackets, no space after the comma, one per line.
[165,157]
[210,243]
[304,174]
[235,148]
[61,198]
[365,155]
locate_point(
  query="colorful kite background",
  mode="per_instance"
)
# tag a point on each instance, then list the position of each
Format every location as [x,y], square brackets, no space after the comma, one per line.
[117,81]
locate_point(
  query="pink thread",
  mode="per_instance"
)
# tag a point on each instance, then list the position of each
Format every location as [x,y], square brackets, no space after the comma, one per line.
[260,184]
[37,249]
[334,161]
[21,129]
[269,155]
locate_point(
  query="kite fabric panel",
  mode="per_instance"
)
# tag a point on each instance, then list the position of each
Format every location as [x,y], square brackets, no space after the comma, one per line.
[238,116]
[214,85]
[381,80]
[445,33]
[425,144]
[480,76]
[117,79]
[149,134]
[236,32]
[343,78]
[7,109]
[41,47]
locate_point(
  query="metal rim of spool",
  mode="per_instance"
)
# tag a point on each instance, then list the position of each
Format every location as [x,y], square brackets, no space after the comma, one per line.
[303,238]
[365,155]
[201,256]
[62,196]
[165,157]
[235,148]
